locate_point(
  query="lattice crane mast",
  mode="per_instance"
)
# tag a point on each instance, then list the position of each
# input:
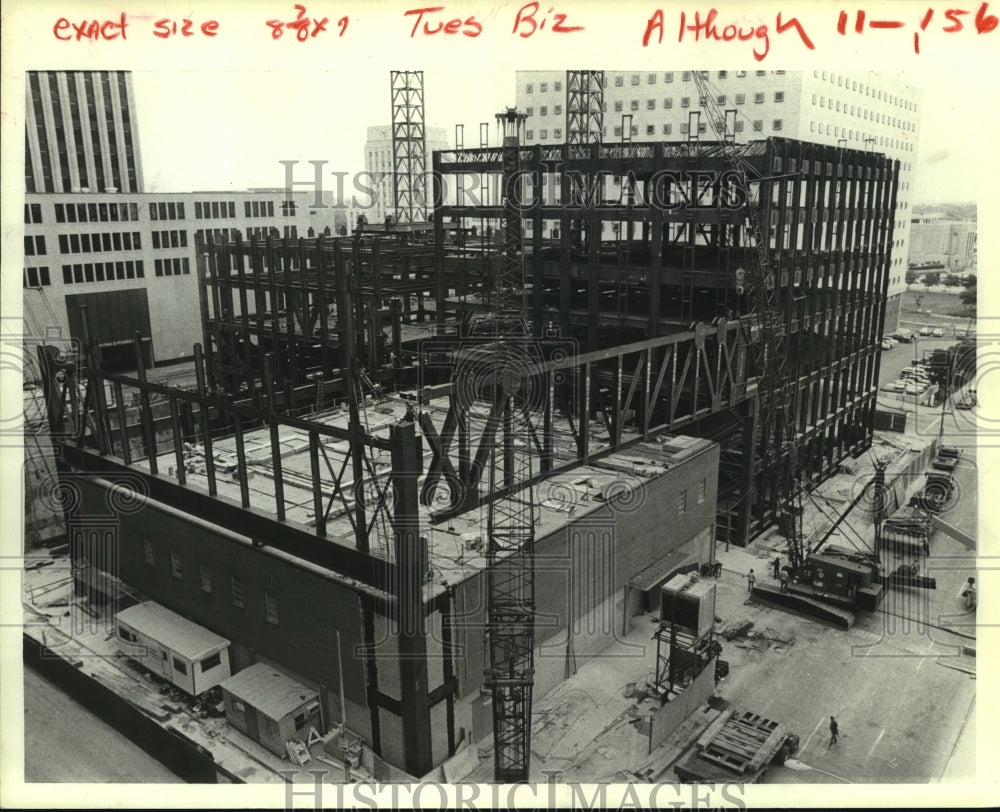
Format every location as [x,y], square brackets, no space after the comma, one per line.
[497,370]
[776,391]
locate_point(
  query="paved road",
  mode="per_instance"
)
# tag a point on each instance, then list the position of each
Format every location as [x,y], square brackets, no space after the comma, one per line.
[64,742]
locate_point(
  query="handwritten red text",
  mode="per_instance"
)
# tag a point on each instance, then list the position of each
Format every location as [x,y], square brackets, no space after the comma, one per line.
[432,24]
[90,29]
[707,28]
[303,26]
[527,21]
[169,28]
[984,22]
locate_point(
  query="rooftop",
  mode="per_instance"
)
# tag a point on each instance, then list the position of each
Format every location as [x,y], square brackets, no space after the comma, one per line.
[175,632]
[268,690]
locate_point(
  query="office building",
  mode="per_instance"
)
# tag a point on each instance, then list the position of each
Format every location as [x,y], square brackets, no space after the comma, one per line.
[379,166]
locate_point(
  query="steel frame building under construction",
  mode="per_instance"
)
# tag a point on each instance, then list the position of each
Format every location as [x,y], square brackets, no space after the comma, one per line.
[318,459]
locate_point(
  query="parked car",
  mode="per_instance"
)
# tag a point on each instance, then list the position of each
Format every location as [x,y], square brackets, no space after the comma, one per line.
[947,458]
[888,344]
[916,373]
[890,339]
[938,332]
[916,388]
[926,331]
[903,335]
[967,401]
[894,386]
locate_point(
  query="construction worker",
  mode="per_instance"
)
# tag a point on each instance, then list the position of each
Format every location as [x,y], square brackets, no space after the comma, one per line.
[776,565]
[750,580]
[969,593]
[783,576]
[834,732]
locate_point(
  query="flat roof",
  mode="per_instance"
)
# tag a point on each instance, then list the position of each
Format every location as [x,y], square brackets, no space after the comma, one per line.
[177,633]
[268,690]
[452,552]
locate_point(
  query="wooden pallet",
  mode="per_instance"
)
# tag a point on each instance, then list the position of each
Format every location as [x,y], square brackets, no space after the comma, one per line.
[743,743]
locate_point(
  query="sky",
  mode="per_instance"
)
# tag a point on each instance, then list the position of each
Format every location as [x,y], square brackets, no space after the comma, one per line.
[189,122]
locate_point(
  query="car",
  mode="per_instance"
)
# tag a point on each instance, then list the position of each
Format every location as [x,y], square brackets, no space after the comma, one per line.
[914,372]
[894,386]
[915,388]
[967,401]
[888,344]
[926,331]
[903,335]
[938,332]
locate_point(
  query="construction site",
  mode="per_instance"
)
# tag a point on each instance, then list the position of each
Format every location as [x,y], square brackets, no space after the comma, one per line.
[576,473]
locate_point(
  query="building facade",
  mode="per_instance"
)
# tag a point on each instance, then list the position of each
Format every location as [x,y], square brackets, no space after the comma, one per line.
[379,166]
[130,259]
[855,109]
[81,133]
[937,243]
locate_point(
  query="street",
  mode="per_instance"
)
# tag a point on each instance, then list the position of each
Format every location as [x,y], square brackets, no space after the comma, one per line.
[66,743]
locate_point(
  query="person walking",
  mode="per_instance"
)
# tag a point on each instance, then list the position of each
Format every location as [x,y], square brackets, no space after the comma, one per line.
[834,732]
[969,593]
[783,576]
[776,566]
[750,580]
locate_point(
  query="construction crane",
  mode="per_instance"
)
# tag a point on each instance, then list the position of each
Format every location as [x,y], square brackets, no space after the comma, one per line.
[775,389]
[499,360]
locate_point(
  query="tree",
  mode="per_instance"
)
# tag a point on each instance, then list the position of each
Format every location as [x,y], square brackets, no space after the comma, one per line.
[970,281]
[932,278]
[968,297]
[911,277]
[952,280]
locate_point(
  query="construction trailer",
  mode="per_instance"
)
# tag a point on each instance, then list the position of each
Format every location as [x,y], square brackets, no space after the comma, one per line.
[186,654]
[270,707]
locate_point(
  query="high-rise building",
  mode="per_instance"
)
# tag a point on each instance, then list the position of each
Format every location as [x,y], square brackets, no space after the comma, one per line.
[854,109]
[81,133]
[379,165]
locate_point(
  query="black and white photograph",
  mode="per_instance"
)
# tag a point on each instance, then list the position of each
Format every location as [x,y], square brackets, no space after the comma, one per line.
[498,405]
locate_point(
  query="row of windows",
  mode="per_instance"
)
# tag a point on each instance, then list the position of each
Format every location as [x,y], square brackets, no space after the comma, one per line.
[651,79]
[237,593]
[865,113]
[36,277]
[90,243]
[214,209]
[856,135]
[102,271]
[217,235]
[668,103]
[777,125]
[868,90]
[32,212]
[170,239]
[166,211]
[259,208]
[173,266]
[682,498]
[97,212]
[34,245]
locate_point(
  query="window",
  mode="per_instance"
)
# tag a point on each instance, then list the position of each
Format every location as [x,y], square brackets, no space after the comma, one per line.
[702,101]
[32,212]
[530,134]
[686,101]
[618,106]
[300,720]
[684,129]
[762,73]
[543,134]
[147,545]
[618,130]
[530,88]
[544,110]
[721,99]
[723,74]
[236,585]
[701,492]
[650,129]
[741,98]
[776,124]
[211,662]
[531,111]
[682,500]
[206,579]
[650,104]
[557,86]
[758,98]
[686,76]
[557,133]
[741,74]
[668,77]
[34,245]
[544,87]
[175,565]
[668,104]
[180,665]
[651,79]
[739,126]
[619,81]
[633,105]
[779,96]
[271,608]
[758,125]
[666,129]
[127,635]
[635,78]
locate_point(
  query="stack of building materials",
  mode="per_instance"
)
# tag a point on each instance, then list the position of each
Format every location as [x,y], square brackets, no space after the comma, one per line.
[907,531]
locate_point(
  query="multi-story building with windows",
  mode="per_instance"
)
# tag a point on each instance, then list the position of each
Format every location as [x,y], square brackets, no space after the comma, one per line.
[131,260]
[854,109]
[81,133]
[379,166]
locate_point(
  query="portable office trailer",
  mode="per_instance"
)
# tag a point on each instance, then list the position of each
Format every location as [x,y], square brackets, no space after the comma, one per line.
[270,707]
[173,647]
